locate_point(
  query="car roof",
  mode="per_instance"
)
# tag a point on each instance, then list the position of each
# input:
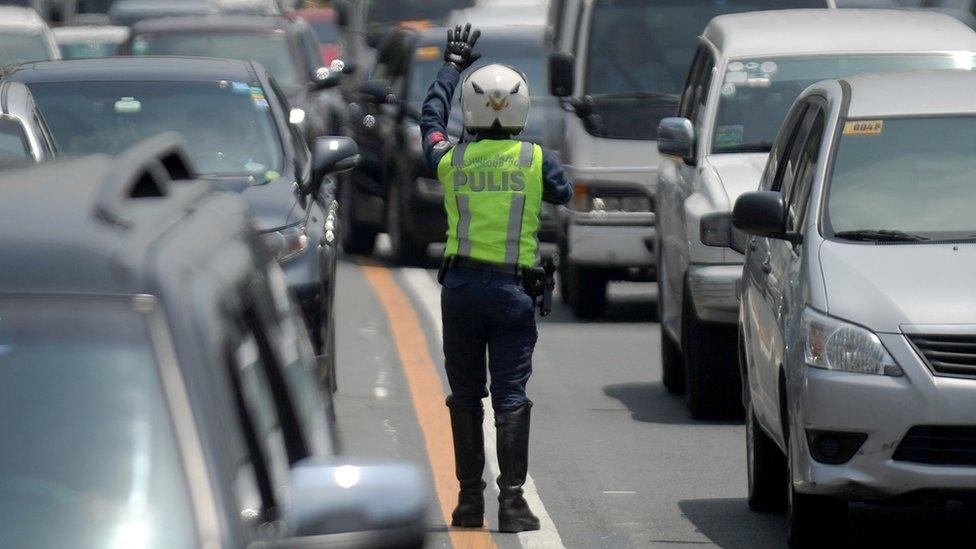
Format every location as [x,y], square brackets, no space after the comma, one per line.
[15,18]
[883,95]
[213,23]
[126,69]
[820,31]
[100,222]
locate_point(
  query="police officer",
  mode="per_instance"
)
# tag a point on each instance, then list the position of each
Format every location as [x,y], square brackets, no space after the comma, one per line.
[494,187]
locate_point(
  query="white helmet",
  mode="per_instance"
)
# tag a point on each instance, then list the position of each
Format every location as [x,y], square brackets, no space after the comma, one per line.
[495,97]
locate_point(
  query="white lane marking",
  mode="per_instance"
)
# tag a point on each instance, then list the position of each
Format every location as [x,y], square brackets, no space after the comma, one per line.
[618,492]
[426,290]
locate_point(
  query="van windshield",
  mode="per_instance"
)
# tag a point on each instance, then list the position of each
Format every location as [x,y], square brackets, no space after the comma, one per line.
[908,178]
[638,57]
[757,93]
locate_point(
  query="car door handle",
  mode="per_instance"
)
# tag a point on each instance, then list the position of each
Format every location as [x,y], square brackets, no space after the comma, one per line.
[767,266]
[753,243]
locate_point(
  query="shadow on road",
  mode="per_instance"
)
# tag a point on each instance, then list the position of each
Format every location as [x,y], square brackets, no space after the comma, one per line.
[627,303]
[729,523]
[648,402]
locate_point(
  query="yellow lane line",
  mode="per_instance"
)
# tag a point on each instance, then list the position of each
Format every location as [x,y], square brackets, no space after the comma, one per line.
[427,394]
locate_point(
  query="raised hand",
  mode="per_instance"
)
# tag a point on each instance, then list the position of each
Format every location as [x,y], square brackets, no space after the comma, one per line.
[460,47]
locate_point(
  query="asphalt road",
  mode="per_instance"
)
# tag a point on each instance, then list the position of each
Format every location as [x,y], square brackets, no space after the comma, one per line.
[615,460]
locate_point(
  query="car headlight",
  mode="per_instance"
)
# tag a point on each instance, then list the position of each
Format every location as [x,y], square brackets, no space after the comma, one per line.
[297,116]
[833,344]
[286,243]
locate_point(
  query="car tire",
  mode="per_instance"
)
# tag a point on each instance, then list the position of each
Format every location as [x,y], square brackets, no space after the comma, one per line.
[356,237]
[587,289]
[672,361]
[766,466]
[812,520]
[405,250]
[713,389]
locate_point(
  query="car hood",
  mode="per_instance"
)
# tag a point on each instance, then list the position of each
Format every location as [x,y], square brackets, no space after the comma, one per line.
[274,204]
[739,173]
[884,287]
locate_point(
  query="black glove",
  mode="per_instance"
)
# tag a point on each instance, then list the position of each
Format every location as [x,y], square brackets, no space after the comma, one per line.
[459,52]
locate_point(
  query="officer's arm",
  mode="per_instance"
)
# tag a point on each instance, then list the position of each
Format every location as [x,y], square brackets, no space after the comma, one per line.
[435,114]
[556,187]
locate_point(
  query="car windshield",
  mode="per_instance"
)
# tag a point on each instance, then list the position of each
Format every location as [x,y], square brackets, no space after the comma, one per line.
[227,126]
[89,49]
[631,84]
[17,47]
[525,56]
[391,11]
[270,49]
[908,175]
[90,456]
[757,93]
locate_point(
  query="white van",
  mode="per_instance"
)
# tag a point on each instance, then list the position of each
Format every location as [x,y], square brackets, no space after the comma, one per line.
[620,67]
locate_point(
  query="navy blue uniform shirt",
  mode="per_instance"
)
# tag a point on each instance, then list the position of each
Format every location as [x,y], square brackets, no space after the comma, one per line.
[556,187]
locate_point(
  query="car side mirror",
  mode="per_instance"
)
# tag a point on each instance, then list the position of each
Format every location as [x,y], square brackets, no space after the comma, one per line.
[376,92]
[331,155]
[676,137]
[561,74]
[324,78]
[334,503]
[761,213]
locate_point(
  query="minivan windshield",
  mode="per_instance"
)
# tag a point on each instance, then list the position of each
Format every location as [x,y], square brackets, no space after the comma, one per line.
[638,57]
[20,47]
[89,456]
[227,126]
[271,49]
[757,93]
[904,178]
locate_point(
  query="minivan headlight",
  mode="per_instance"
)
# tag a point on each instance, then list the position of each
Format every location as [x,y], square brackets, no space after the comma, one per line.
[832,344]
[286,243]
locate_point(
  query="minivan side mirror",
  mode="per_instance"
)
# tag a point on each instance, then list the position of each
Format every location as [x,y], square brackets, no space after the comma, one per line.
[561,74]
[324,78]
[761,213]
[355,503]
[334,154]
[375,92]
[676,137]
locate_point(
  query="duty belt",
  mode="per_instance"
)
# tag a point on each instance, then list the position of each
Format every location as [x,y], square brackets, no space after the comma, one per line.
[462,262]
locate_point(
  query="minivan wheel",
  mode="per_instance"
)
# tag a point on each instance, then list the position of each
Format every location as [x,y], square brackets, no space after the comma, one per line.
[587,289]
[766,466]
[356,237]
[405,250]
[812,520]
[712,385]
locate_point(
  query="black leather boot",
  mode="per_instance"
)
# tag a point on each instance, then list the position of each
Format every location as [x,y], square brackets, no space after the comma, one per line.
[513,462]
[469,461]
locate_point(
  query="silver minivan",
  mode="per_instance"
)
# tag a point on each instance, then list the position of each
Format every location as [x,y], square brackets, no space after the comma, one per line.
[858,318]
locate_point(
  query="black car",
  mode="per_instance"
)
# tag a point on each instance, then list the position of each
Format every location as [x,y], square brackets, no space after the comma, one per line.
[286,47]
[234,119]
[394,190]
[24,136]
[154,391]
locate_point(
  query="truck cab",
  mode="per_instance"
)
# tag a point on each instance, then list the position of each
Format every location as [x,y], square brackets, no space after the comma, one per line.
[615,89]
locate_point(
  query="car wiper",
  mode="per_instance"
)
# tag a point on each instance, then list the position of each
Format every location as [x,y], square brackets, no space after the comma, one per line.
[648,96]
[760,147]
[880,235]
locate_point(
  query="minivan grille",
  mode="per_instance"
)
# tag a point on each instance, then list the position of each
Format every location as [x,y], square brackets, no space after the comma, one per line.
[948,355]
[938,445]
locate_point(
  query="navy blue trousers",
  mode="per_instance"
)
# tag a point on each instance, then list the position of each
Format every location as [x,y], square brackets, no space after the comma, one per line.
[487,315]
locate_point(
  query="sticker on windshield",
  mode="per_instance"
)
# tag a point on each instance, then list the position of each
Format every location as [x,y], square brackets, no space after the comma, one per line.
[736,66]
[769,67]
[752,66]
[128,105]
[864,127]
[729,136]
[140,46]
[241,87]
[737,77]
[728,90]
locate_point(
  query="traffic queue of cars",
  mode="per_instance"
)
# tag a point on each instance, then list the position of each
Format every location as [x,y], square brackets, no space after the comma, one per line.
[814,240]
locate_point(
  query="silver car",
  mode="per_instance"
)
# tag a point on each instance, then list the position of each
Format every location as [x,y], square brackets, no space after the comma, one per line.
[749,69]
[858,317]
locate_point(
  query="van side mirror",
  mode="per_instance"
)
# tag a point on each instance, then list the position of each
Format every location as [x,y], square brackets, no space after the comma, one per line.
[355,503]
[761,213]
[331,155]
[561,74]
[676,137]
[375,92]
